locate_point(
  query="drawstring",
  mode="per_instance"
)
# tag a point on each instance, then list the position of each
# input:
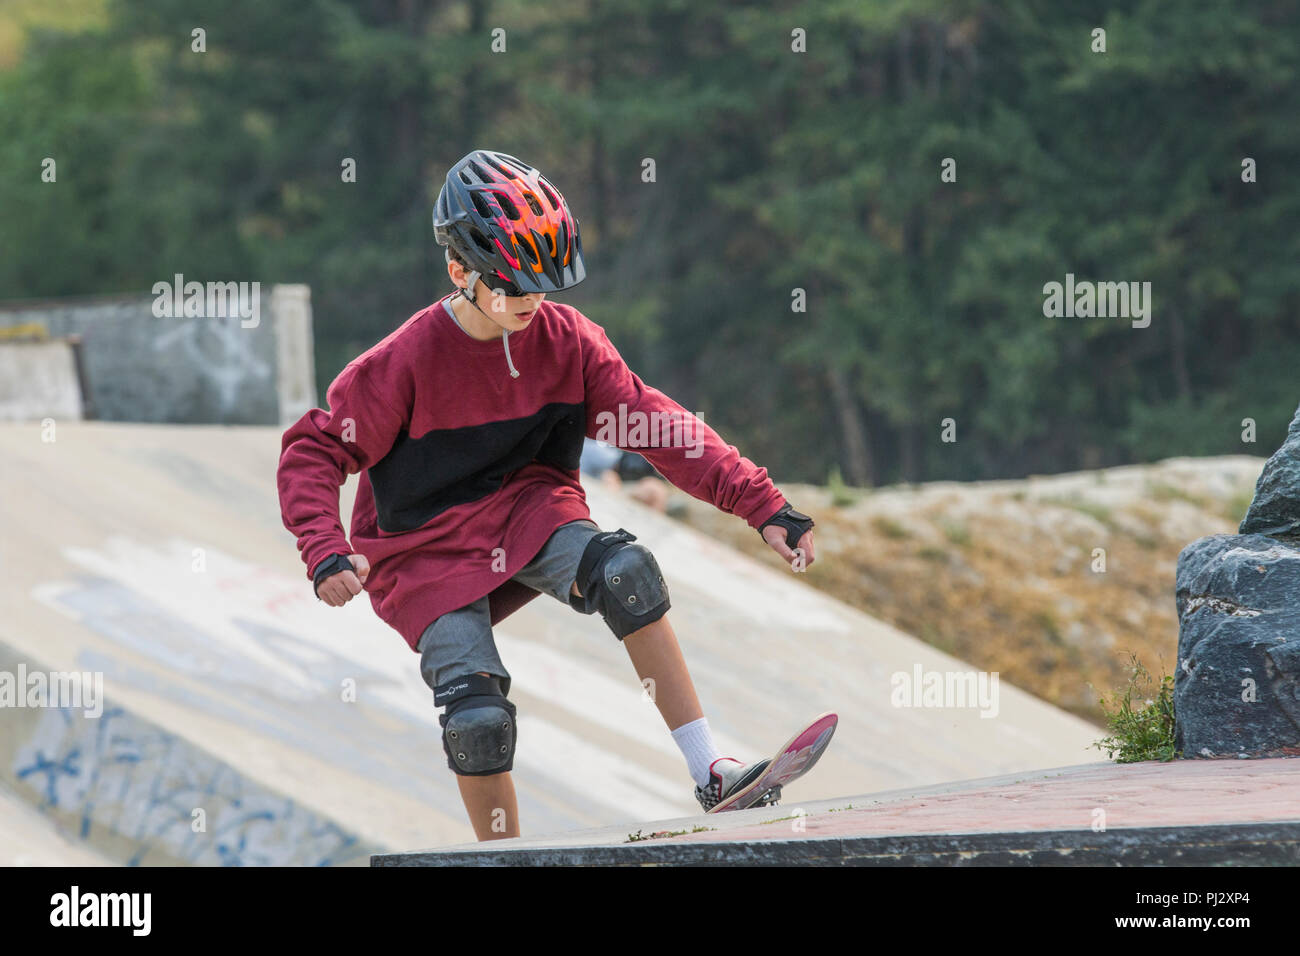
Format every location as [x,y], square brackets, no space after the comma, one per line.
[505,340]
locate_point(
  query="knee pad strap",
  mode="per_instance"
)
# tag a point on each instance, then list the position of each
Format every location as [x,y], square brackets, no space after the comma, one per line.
[478,728]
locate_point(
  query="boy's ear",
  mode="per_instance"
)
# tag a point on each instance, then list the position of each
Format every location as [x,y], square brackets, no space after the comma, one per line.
[454,269]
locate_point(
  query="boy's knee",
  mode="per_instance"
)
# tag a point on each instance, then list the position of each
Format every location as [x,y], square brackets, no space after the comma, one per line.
[622,581]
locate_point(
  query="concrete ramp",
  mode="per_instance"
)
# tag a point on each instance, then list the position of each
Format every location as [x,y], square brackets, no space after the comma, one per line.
[154,556]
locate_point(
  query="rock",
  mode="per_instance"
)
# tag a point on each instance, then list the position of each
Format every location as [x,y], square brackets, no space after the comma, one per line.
[1237,686]
[1275,508]
[1239,626]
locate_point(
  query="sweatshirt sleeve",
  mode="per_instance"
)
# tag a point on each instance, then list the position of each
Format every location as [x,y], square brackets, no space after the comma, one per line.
[623,411]
[321,449]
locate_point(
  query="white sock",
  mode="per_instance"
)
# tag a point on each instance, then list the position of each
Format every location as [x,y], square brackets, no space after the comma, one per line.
[696,743]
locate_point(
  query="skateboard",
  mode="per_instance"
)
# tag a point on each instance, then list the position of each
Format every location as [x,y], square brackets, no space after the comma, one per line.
[792,761]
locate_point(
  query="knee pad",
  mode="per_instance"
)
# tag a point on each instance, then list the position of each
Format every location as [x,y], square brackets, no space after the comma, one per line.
[478,727]
[622,581]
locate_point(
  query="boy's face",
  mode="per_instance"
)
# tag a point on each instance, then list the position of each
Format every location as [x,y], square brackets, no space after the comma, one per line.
[509,312]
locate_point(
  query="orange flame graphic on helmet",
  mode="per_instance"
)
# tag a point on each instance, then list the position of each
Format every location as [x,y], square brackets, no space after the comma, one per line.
[543,214]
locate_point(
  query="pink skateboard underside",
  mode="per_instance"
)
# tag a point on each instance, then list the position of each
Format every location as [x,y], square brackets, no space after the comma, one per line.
[794,760]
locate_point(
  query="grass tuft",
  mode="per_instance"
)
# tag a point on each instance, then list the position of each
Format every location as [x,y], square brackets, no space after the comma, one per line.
[1145,731]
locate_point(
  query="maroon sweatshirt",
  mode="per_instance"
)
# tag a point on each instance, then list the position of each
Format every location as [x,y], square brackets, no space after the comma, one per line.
[467,470]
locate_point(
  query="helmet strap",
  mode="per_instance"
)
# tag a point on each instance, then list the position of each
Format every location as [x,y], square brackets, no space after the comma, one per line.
[473,281]
[466,294]
[469,297]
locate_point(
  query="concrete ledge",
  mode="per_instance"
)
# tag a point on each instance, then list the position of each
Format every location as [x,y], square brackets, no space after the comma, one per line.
[1272,844]
[1191,812]
[40,380]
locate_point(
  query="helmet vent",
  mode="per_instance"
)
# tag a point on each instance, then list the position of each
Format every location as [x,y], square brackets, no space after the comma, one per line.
[497,166]
[529,251]
[508,205]
[483,175]
[518,165]
[480,240]
[481,205]
[555,203]
[534,205]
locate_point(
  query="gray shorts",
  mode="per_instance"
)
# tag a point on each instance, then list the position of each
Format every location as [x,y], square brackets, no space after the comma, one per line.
[461,643]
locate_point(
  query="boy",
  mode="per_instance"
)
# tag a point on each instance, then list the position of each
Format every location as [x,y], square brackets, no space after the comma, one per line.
[469,502]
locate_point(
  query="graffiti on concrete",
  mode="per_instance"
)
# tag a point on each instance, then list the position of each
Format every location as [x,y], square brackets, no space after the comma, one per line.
[126,778]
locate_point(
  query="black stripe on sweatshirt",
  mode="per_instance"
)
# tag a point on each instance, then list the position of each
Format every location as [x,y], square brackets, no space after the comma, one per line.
[422,477]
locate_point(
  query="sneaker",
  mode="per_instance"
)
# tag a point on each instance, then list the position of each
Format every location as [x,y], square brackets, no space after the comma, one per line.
[728,775]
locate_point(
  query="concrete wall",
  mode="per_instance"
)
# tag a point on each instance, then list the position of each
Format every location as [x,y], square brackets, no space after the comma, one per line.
[39,380]
[209,369]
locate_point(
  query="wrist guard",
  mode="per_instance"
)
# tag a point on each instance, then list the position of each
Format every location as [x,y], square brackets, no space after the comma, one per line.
[795,523]
[328,568]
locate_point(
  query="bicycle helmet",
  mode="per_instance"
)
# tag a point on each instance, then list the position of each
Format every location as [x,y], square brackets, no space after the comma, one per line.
[507,222]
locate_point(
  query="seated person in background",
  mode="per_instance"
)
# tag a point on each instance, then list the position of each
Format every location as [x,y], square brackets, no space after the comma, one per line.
[614,467]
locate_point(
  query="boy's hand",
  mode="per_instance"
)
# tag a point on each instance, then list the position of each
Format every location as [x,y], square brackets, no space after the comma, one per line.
[800,557]
[338,589]
[780,530]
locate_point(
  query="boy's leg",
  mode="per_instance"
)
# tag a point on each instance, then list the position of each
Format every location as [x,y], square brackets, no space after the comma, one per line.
[653,649]
[451,647]
[657,656]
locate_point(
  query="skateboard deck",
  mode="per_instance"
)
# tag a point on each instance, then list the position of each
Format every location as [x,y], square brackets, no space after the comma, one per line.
[792,761]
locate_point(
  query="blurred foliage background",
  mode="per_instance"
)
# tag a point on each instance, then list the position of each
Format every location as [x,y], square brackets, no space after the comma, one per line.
[775,170]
